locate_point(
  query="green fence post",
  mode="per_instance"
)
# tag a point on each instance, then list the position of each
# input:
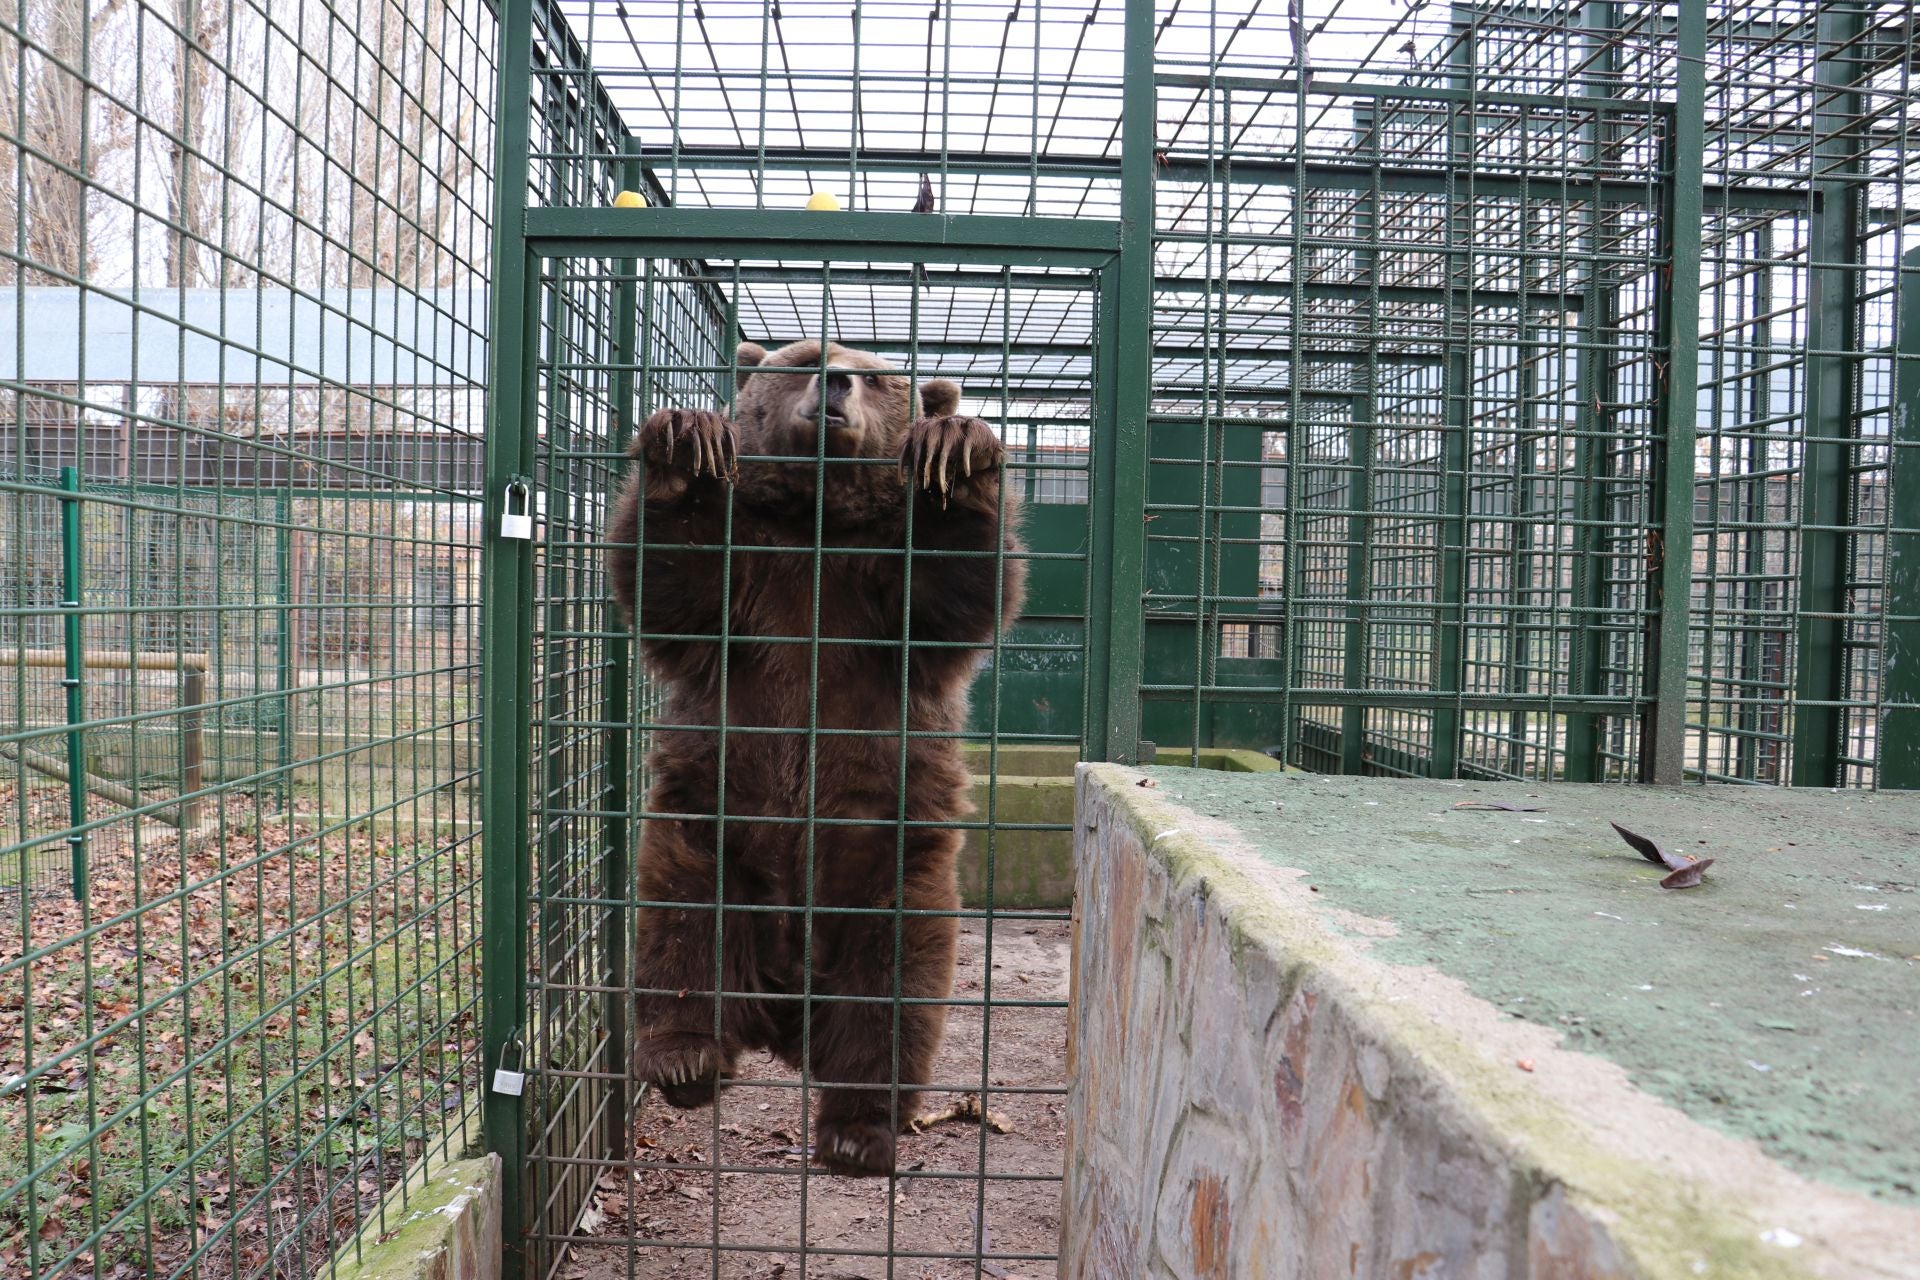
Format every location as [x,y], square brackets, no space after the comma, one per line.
[1362,409]
[616,886]
[506,603]
[1456,408]
[1663,737]
[1124,386]
[283,646]
[1826,481]
[1591,415]
[1900,644]
[72,599]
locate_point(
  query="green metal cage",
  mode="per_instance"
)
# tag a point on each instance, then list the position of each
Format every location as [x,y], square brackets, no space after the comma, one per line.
[1500,391]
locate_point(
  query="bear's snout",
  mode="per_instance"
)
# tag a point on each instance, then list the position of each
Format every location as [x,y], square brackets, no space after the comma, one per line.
[842,403]
[839,392]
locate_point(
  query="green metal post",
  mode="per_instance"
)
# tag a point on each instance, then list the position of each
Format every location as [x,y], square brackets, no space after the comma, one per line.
[616,886]
[1516,644]
[506,645]
[72,598]
[1759,719]
[1119,527]
[1591,510]
[1450,613]
[1592,416]
[1663,738]
[1820,682]
[1900,651]
[283,645]
[1353,718]
[1361,411]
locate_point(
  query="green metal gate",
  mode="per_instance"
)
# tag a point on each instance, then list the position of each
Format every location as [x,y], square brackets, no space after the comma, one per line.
[611,323]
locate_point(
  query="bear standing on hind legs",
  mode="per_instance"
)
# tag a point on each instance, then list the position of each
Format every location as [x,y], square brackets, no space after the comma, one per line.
[889,454]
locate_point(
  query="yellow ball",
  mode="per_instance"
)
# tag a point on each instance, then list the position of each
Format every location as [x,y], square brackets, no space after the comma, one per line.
[629,200]
[824,202]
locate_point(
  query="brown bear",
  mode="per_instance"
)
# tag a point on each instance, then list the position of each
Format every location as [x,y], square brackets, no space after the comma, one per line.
[828,657]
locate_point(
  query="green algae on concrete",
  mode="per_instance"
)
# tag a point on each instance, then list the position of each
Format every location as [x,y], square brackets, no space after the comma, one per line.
[1032,807]
[1032,850]
[448,1229]
[1779,1001]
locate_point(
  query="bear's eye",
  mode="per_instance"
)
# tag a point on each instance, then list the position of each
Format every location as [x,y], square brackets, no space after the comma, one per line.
[873,379]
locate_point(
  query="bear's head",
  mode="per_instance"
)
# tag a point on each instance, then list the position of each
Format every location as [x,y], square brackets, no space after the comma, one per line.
[868,403]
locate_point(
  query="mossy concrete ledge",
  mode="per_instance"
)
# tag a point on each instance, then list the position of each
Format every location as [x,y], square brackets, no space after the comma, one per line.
[1027,791]
[1264,1087]
[448,1229]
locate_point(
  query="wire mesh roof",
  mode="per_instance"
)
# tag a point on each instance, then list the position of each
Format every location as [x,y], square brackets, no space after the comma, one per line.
[1334,178]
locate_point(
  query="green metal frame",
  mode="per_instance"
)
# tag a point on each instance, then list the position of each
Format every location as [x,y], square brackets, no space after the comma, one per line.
[1900,726]
[1831,398]
[1663,750]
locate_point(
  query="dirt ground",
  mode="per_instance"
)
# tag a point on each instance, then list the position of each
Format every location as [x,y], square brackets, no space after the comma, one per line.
[662,1216]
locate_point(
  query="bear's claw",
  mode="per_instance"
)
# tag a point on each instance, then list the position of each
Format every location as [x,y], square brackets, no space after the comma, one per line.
[854,1147]
[710,442]
[687,1071]
[939,454]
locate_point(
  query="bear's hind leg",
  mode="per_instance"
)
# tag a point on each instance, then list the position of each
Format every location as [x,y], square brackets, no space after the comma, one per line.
[863,1102]
[680,1047]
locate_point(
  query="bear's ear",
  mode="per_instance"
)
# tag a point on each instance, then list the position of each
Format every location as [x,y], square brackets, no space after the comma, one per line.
[747,356]
[939,397]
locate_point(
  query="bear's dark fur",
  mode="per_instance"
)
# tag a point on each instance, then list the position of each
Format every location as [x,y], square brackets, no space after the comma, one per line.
[696,493]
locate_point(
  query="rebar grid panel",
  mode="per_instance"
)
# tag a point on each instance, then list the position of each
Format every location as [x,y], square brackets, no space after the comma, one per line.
[1805,339]
[243,250]
[1409,285]
[1495,213]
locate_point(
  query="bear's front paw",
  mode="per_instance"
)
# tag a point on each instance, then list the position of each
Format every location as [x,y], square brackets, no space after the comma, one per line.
[855,1147]
[694,441]
[686,1070]
[952,456]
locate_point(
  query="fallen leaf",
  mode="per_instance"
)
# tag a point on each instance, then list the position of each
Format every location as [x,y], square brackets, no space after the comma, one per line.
[1501,805]
[1688,876]
[1683,869]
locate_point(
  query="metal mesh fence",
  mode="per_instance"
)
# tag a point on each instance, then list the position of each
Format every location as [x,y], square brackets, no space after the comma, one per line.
[1498,390]
[1448,261]
[243,252]
[616,335]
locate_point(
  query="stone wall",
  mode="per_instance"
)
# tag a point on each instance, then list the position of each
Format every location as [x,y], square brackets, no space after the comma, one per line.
[1255,1096]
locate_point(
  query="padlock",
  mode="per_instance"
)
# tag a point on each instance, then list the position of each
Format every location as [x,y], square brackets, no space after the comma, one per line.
[511,1081]
[517,523]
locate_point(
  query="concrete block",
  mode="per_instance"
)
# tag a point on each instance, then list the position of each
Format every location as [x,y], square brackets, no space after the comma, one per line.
[448,1229]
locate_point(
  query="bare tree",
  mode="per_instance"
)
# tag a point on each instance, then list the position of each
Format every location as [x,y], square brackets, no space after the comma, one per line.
[193,153]
[56,131]
[413,148]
